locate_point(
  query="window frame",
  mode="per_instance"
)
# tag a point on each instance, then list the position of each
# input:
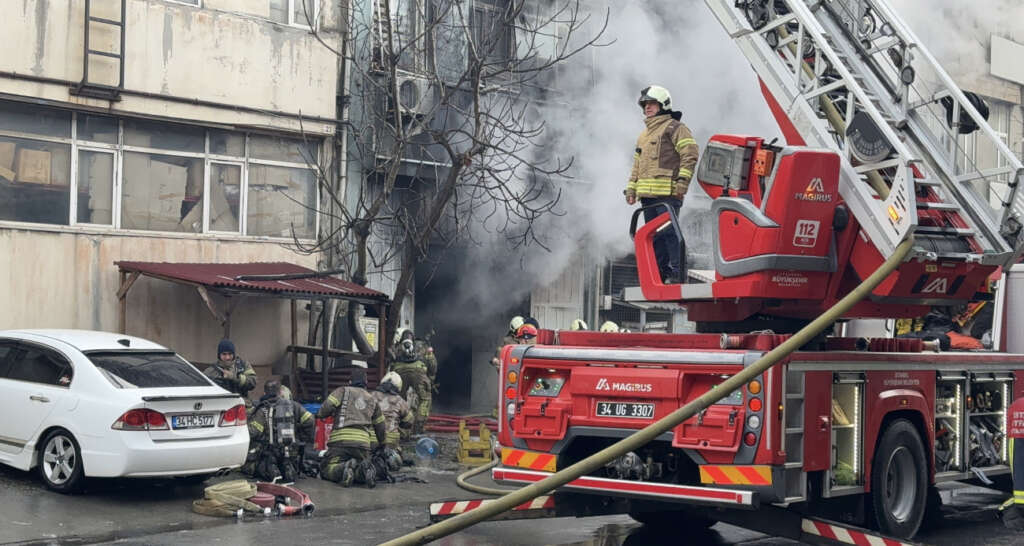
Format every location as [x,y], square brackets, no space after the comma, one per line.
[301,23]
[119,149]
[22,346]
[189,3]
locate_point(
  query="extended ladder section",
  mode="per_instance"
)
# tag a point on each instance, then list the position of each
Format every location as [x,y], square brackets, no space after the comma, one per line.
[851,77]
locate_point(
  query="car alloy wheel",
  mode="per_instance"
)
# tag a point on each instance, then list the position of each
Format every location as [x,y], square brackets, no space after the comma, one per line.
[60,463]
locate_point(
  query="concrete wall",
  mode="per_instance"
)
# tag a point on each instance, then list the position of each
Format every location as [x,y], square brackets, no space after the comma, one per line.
[68,280]
[223,52]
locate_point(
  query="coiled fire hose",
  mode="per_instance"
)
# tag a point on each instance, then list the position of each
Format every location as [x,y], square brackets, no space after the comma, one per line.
[665,424]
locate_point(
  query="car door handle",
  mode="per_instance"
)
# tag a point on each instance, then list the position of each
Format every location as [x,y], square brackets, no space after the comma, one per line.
[39,398]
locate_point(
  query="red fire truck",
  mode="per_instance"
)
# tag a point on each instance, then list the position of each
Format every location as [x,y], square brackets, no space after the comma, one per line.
[847,428]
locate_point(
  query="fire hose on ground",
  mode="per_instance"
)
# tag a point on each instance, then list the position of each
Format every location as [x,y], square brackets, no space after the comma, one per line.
[665,424]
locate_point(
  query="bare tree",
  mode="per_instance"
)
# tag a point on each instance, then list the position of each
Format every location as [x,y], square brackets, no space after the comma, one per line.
[442,139]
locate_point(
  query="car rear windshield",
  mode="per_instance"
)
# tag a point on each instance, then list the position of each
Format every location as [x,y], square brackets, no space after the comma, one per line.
[138,370]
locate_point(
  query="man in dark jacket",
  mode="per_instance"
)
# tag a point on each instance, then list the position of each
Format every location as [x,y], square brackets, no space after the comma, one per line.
[231,372]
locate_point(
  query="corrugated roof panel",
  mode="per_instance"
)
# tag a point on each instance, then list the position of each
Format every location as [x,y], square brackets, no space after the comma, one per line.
[225,275]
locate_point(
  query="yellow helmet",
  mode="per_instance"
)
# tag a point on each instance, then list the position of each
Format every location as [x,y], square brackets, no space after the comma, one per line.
[609,326]
[578,324]
[657,94]
[515,323]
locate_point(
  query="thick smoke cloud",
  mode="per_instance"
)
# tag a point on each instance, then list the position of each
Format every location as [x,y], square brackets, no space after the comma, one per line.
[595,120]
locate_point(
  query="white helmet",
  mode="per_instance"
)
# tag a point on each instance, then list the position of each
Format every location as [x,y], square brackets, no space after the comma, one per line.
[394,379]
[609,326]
[399,334]
[578,324]
[515,323]
[657,94]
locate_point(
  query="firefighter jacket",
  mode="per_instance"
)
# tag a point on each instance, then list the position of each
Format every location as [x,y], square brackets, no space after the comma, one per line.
[665,157]
[355,412]
[237,376]
[396,414]
[259,423]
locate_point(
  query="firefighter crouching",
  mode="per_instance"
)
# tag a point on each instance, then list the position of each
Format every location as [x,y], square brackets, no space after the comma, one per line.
[416,384]
[397,415]
[355,412]
[231,372]
[1013,509]
[280,430]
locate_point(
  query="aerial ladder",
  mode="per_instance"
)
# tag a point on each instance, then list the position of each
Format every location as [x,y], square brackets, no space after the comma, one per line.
[848,76]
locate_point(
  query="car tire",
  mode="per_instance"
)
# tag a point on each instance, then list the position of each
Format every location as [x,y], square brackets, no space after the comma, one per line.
[60,462]
[899,481]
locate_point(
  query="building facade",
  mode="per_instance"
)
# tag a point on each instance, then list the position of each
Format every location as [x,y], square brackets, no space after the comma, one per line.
[160,130]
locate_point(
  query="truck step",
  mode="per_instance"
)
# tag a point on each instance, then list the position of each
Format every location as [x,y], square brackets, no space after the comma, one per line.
[940,230]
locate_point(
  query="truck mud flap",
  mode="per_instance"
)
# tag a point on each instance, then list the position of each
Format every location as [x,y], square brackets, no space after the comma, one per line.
[687,494]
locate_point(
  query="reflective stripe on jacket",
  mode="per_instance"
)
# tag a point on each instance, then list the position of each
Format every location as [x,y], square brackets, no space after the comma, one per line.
[666,155]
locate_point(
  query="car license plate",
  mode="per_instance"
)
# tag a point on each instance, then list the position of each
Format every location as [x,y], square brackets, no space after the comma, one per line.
[192,420]
[632,410]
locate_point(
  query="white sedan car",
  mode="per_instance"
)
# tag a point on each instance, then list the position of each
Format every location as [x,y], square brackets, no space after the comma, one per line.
[79,404]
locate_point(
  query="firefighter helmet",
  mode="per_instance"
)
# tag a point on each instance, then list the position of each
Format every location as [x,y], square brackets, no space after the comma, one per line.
[515,323]
[609,326]
[578,324]
[403,333]
[394,379]
[657,94]
[526,331]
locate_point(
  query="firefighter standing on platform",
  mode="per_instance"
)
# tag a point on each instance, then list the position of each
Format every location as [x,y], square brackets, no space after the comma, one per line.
[355,412]
[663,164]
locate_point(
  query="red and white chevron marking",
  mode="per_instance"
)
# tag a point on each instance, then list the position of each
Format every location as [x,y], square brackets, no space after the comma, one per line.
[452,508]
[846,535]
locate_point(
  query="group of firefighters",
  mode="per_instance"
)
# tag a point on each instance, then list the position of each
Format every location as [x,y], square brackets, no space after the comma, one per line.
[364,442]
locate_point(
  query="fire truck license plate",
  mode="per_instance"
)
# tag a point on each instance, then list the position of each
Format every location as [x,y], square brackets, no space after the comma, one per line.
[634,410]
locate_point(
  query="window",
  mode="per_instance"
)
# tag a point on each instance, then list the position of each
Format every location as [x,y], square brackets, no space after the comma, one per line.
[6,349]
[35,164]
[39,366]
[80,168]
[133,370]
[295,12]
[492,35]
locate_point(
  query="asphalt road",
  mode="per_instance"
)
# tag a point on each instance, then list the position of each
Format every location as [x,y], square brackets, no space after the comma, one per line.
[156,512]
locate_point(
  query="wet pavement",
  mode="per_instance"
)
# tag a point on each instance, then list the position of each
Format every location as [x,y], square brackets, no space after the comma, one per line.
[156,512]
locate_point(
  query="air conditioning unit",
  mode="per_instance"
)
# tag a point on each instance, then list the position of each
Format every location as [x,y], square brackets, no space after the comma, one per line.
[417,95]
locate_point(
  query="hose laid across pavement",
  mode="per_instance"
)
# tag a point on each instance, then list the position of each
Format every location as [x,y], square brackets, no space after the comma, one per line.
[483,490]
[643,436]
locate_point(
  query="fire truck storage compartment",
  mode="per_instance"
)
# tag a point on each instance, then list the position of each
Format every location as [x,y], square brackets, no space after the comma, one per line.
[949,410]
[847,431]
[986,418]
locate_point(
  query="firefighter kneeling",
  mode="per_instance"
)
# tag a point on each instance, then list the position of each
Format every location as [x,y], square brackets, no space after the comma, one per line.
[387,458]
[279,431]
[1013,509]
[355,411]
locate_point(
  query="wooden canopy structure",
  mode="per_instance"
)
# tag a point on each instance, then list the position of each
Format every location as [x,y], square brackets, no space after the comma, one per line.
[237,281]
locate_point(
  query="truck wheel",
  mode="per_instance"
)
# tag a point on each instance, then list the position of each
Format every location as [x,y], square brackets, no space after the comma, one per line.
[899,481]
[683,519]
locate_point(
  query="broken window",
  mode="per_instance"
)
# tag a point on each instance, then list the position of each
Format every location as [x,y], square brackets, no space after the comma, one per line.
[34,181]
[491,33]
[225,194]
[162,192]
[280,200]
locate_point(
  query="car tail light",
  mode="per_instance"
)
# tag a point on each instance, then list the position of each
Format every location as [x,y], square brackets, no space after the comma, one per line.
[140,419]
[234,417]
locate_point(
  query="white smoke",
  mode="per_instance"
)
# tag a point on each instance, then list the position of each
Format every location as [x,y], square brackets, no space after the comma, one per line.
[596,119]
